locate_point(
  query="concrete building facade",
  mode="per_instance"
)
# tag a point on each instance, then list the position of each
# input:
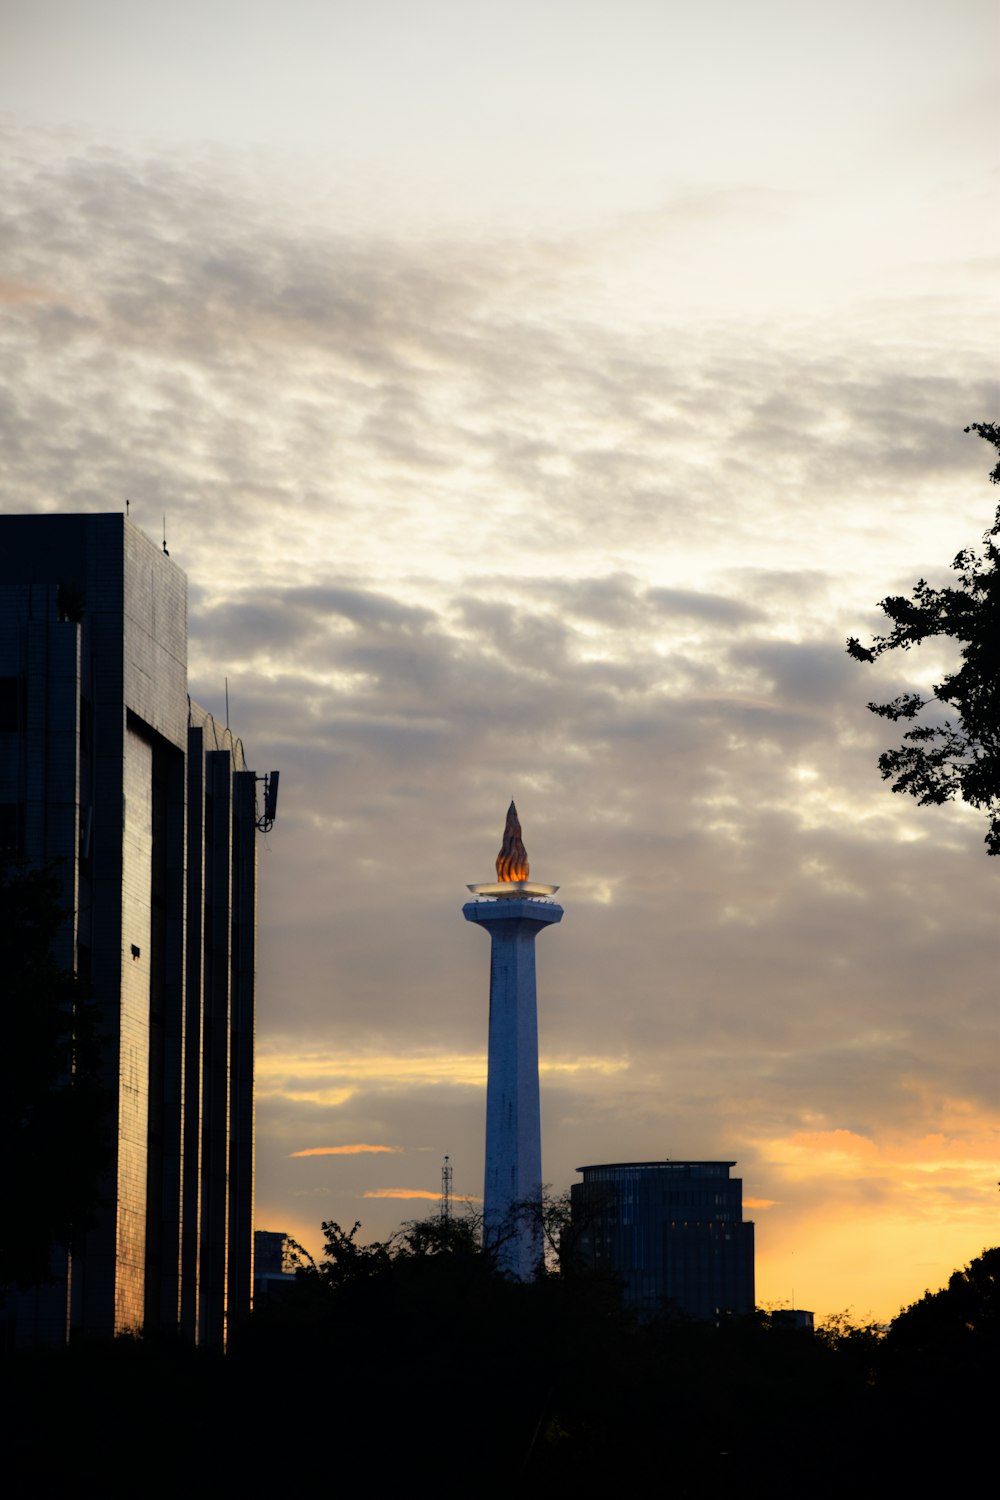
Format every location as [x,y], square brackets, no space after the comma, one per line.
[149,811]
[671,1231]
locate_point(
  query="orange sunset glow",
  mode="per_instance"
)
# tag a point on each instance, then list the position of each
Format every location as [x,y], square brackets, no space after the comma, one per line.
[346,1150]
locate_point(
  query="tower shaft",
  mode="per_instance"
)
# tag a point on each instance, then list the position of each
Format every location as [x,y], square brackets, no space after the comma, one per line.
[513,1180]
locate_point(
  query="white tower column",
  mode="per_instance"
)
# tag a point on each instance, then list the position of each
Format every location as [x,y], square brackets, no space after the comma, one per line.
[513,913]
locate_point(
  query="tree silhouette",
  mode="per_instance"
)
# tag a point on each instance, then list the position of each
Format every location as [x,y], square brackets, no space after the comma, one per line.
[953,758]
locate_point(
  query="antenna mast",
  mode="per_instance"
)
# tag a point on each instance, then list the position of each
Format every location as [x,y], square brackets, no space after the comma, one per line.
[446,1191]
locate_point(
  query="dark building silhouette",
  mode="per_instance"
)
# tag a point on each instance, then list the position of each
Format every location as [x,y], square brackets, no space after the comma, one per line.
[271,1281]
[799,1318]
[672,1231]
[149,809]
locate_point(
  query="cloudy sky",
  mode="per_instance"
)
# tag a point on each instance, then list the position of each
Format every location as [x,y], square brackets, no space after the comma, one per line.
[537,397]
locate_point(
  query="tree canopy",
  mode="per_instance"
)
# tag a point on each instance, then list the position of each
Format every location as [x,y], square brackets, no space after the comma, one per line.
[960,756]
[416,1362]
[958,1324]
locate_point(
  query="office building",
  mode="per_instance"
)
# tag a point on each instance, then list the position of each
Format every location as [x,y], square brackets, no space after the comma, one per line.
[671,1231]
[513,911]
[149,811]
[273,1252]
[802,1319]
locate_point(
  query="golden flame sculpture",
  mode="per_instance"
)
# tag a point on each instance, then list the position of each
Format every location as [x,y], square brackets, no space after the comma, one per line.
[512,861]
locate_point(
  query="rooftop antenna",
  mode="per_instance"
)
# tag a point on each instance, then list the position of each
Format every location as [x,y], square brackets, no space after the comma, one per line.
[165,552]
[266,822]
[227,691]
[126,505]
[446,1191]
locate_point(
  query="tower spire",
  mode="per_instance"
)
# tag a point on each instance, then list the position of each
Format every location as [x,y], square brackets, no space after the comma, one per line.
[512,861]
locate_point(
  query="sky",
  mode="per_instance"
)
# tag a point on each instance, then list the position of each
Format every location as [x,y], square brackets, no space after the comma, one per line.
[537,397]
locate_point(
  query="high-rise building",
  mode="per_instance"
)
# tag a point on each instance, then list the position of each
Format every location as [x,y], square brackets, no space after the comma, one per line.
[513,912]
[148,810]
[671,1231]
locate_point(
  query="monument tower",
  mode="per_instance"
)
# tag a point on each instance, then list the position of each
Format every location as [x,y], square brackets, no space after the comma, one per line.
[513,912]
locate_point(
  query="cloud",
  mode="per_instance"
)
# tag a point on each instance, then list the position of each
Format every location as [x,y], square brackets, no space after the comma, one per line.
[418,1193]
[402,1193]
[344,1150]
[323,1078]
[710,608]
[459,528]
